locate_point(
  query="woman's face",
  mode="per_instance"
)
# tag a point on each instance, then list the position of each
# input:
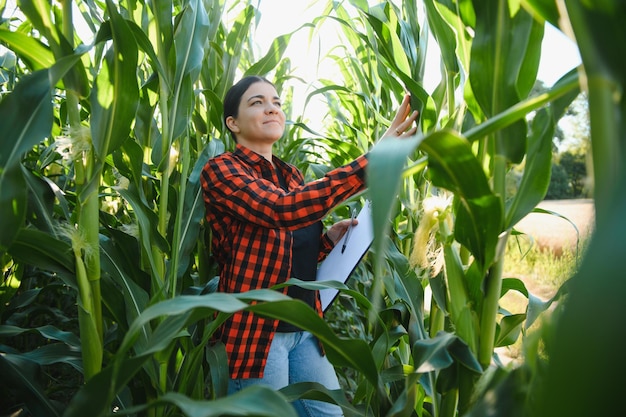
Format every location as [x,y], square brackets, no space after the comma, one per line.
[260,118]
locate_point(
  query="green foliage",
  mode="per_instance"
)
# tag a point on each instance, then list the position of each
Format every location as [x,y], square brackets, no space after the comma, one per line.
[548,268]
[107,277]
[576,168]
[569,177]
[593,293]
[560,186]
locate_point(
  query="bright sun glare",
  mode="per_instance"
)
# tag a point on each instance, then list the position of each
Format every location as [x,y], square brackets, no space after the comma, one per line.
[559,53]
[279,17]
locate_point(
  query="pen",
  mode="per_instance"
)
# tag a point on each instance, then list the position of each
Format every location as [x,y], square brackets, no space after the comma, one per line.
[345,242]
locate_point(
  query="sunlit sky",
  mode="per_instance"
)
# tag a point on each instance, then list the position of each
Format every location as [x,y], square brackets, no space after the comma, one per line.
[278,17]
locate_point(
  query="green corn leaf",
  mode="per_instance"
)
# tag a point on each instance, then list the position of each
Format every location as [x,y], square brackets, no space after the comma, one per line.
[13,194]
[205,304]
[216,357]
[453,166]
[257,401]
[41,200]
[353,353]
[341,352]
[384,175]
[409,291]
[44,251]
[503,69]
[116,259]
[547,9]
[57,353]
[143,42]
[274,55]
[21,374]
[147,221]
[47,331]
[39,13]
[390,43]
[315,391]
[383,21]
[181,311]
[404,404]
[536,177]
[461,313]
[95,397]
[599,29]
[510,329]
[34,54]
[444,34]
[440,352]
[189,40]
[193,210]
[235,42]
[361,300]
[27,117]
[115,93]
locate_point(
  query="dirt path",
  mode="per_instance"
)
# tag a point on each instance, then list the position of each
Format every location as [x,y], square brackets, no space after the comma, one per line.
[573,219]
[551,232]
[554,232]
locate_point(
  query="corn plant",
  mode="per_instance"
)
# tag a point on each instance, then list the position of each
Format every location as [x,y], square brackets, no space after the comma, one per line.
[467,158]
[129,186]
[101,232]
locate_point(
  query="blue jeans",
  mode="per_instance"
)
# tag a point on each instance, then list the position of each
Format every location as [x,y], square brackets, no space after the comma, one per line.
[295,357]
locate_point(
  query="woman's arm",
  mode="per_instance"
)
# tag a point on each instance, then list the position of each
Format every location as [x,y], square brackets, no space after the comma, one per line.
[230,188]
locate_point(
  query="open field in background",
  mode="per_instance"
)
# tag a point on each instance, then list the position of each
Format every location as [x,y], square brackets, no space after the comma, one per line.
[551,244]
[546,255]
[556,233]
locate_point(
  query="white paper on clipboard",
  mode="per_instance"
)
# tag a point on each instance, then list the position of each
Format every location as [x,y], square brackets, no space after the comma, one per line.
[338,266]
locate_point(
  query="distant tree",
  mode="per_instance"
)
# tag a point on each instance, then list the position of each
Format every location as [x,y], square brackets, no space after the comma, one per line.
[574,126]
[571,146]
[560,187]
[575,166]
[575,148]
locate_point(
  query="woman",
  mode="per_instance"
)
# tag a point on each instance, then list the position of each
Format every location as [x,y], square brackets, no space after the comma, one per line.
[267,228]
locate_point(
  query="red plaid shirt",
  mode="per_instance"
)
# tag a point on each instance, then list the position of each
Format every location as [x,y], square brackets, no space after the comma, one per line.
[251,218]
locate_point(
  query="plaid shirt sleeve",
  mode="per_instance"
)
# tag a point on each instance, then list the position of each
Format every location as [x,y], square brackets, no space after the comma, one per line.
[251,218]
[233,189]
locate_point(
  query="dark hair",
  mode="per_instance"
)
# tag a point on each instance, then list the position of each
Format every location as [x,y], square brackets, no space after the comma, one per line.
[234,94]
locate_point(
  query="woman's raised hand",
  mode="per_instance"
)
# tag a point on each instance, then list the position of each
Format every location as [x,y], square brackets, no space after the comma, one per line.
[401,125]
